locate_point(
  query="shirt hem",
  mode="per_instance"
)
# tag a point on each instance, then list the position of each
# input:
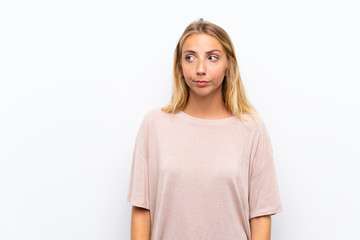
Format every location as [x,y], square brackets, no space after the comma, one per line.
[264,213]
[138,203]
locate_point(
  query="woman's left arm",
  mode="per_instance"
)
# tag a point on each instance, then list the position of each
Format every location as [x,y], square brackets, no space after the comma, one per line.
[260,227]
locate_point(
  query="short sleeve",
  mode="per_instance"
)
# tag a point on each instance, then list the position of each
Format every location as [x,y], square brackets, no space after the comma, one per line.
[138,192]
[264,196]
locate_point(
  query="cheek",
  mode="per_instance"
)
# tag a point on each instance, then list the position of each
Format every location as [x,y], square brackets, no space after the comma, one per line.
[218,72]
[186,71]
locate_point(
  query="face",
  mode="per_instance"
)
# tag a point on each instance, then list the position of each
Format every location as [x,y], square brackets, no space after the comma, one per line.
[203,64]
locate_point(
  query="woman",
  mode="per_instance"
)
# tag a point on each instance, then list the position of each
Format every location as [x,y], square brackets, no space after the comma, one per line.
[203,165]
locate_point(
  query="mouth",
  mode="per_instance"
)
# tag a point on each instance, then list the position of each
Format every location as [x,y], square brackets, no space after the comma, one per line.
[201,83]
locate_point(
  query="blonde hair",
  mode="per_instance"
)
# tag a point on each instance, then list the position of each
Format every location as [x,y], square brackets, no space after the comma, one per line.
[233,91]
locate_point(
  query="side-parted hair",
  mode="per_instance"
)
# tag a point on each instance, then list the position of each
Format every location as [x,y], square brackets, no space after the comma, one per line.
[233,92]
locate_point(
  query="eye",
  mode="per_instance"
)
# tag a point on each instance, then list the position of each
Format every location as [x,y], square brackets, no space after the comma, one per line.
[213,58]
[189,58]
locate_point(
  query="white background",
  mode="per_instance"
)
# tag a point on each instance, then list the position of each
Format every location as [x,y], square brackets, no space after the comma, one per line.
[77,77]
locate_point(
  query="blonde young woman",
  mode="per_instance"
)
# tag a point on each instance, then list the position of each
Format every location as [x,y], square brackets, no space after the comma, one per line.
[203,166]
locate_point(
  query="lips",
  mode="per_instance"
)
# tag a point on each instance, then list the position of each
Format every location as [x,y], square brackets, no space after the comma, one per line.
[202,81]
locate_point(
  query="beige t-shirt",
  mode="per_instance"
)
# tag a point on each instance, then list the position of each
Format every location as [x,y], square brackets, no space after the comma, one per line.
[202,179]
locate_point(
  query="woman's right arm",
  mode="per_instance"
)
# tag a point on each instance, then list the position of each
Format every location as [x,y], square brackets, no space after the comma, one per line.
[140,223]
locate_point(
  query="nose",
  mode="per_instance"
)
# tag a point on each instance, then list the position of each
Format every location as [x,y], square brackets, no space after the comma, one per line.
[201,67]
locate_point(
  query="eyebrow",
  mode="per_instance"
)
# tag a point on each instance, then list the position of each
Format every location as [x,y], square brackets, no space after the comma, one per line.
[211,51]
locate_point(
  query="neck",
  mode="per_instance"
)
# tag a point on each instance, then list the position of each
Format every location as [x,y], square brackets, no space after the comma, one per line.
[209,107]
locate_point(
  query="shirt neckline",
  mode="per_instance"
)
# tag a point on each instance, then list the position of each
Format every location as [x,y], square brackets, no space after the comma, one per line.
[206,121]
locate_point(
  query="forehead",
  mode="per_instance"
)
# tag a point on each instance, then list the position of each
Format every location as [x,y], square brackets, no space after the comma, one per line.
[201,42]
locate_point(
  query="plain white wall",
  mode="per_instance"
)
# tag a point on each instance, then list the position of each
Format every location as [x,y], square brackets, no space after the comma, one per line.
[77,77]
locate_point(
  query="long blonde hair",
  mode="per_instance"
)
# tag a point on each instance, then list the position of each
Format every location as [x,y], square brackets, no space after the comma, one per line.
[233,91]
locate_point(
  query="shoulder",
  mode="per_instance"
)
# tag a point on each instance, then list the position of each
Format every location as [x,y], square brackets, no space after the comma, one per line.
[148,124]
[154,114]
[253,125]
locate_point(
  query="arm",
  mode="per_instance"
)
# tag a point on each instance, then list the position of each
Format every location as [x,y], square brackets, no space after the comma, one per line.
[260,228]
[140,223]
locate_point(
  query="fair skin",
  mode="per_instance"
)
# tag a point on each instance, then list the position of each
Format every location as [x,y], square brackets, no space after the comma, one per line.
[260,228]
[140,223]
[203,58]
